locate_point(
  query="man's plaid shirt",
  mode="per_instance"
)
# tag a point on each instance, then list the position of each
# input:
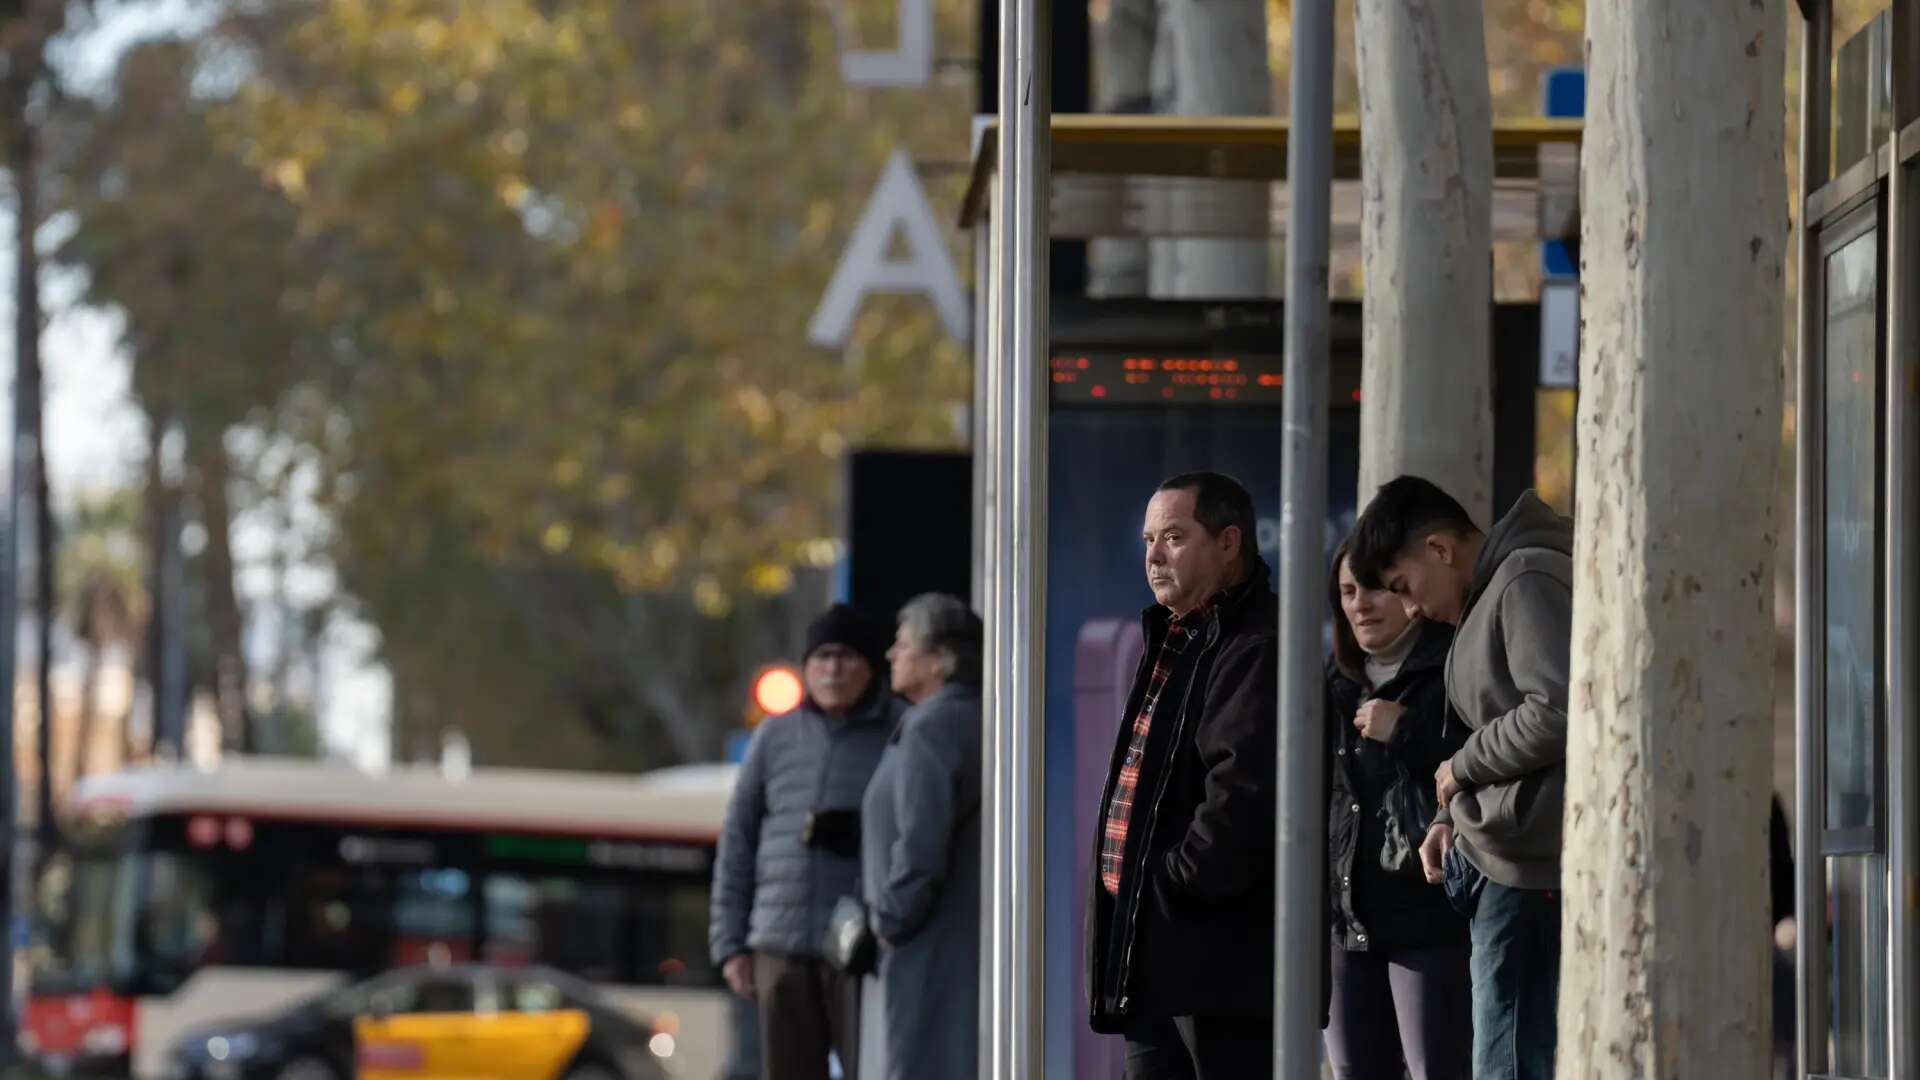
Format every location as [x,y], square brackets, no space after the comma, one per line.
[1181,631]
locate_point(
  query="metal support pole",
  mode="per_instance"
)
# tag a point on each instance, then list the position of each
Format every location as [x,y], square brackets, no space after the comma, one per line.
[19,486]
[1903,557]
[1299,905]
[1810,893]
[992,448]
[982,348]
[1016,611]
[1902,560]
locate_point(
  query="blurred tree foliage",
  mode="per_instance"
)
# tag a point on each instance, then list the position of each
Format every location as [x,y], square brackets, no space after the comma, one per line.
[1525,40]
[528,281]
[531,281]
[575,246]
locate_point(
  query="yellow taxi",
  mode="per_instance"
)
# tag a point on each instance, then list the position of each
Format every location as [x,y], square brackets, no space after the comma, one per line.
[472,1022]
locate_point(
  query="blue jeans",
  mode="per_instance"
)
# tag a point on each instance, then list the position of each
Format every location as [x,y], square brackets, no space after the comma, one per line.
[1516,983]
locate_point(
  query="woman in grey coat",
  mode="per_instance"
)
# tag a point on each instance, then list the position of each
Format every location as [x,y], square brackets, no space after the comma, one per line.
[920,854]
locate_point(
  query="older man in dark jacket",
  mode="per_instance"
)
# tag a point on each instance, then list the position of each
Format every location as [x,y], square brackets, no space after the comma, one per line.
[790,848]
[1181,944]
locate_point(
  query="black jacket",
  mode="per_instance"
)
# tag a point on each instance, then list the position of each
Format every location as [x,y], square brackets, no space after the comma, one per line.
[1373,908]
[1191,931]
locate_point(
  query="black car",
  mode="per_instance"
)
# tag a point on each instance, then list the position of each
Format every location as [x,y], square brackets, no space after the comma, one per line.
[473,1022]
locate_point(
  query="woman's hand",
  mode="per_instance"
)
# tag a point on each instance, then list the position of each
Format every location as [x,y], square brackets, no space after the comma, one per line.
[1433,853]
[1377,719]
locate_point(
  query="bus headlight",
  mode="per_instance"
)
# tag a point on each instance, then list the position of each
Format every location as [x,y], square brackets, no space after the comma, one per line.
[237,1047]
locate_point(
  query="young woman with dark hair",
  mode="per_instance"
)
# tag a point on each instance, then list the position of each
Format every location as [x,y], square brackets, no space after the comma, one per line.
[1401,994]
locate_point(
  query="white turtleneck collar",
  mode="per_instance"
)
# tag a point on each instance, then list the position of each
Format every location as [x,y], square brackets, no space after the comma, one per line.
[1382,666]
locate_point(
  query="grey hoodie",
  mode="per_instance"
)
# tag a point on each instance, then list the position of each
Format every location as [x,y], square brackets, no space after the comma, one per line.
[1507,678]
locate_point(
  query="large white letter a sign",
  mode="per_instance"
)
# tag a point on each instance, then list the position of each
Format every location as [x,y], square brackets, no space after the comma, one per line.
[897,203]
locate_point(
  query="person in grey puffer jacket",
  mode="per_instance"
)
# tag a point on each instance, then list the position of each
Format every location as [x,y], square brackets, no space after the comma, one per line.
[1496,842]
[789,849]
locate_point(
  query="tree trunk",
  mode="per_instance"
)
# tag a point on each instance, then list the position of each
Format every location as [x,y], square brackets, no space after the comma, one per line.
[400,735]
[223,603]
[1123,45]
[1125,41]
[286,620]
[88,728]
[1665,972]
[23,162]
[1217,53]
[148,666]
[1426,234]
[165,647]
[45,542]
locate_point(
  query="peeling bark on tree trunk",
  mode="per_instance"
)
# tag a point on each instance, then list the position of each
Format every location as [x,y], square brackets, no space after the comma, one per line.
[1426,236]
[1665,972]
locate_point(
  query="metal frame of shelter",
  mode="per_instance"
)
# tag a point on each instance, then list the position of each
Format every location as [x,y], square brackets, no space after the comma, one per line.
[1099,174]
[1857,707]
[1104,166]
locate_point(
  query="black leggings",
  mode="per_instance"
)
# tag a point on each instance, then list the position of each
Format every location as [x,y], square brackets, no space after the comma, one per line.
[1411,1004]
[1201,1048]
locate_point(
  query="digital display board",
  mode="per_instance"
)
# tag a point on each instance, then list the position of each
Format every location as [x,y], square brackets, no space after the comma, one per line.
[1113,377]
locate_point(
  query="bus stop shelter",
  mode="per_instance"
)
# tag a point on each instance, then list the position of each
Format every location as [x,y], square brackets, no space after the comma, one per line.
[1152,178]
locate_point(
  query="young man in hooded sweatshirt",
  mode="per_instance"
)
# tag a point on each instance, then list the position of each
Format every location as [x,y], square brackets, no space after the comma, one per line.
[1496,839]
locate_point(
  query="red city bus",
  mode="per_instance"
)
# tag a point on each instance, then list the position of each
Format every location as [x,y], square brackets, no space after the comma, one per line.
[183,897]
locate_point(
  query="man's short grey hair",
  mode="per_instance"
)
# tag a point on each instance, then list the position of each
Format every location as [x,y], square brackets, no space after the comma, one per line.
[944,626]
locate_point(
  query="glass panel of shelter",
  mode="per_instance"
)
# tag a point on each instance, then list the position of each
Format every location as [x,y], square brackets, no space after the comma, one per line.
[1857,532]
[1852,859]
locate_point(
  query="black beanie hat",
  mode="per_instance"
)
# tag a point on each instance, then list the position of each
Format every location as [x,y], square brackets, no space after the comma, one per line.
[843,625]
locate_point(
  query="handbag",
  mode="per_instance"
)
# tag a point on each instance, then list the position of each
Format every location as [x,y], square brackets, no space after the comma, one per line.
[1405,814]
[852,947]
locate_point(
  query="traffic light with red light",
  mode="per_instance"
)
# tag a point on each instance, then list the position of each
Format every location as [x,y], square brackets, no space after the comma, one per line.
[777,689]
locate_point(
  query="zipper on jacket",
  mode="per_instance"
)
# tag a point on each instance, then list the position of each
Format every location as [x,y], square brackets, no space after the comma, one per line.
[819,795]
[1153,810]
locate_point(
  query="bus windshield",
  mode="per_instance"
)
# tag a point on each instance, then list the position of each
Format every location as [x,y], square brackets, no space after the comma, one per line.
[83,899]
